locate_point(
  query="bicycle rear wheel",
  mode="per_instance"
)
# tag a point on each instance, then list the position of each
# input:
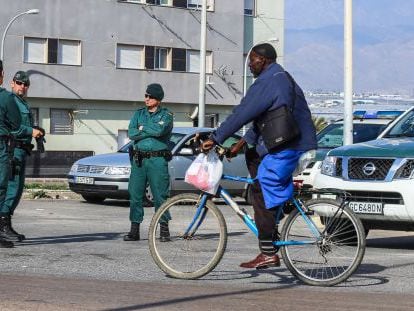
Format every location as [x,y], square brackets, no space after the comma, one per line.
[191,255]
[335,255]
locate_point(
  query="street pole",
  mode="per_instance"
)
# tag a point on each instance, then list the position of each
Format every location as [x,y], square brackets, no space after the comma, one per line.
[32,11]
[348,126]
[202,85]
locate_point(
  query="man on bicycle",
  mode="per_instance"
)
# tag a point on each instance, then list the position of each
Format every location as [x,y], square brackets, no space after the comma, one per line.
[272,89]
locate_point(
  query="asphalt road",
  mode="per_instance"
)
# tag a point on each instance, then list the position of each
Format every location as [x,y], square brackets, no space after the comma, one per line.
[75,259]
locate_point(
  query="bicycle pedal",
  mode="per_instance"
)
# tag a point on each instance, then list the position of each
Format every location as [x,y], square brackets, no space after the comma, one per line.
[262,267]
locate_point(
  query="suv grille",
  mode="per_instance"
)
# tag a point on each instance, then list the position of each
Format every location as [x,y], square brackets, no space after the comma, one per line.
[338,167]
[373,196]
[90,169]
[370,169]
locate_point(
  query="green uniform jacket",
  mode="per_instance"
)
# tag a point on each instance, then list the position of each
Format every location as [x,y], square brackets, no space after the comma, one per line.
[24,132]
[151,131]
[9,113]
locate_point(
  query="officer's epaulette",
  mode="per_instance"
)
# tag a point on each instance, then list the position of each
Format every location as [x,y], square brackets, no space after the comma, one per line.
[168,111]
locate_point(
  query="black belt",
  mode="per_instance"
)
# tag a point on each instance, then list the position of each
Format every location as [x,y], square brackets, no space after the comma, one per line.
[149,154]
[23,145]
[139,155]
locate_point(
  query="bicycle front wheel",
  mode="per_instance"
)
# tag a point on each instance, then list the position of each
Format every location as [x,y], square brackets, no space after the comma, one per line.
[332,253]
[193,250]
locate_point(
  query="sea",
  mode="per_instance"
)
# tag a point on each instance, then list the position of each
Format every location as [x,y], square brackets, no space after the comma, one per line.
[332,109]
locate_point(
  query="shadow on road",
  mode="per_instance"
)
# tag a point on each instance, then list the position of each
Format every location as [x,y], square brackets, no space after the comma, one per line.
[396,242]
[90,237]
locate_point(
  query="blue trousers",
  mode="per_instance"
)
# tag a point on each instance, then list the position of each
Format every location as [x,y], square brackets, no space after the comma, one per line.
[275,176]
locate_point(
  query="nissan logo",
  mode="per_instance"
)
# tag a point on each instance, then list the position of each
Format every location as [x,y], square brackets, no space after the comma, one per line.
[369,169]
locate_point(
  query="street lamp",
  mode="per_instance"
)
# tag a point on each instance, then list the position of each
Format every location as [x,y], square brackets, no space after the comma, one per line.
[32,11]
[247,59]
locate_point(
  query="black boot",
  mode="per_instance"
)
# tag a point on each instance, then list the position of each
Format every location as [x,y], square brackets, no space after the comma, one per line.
[6,244]
[20,236]
[133,234]
[164,232]
[5,231]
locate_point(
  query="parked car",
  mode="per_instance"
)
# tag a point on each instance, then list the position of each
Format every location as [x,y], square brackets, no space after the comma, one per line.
[366,126]
[104,176]
[378,174]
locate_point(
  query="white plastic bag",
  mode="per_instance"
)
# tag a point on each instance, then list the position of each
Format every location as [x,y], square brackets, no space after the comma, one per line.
[205,172]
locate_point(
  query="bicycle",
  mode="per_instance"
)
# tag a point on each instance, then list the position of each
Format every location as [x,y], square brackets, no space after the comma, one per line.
[322,242]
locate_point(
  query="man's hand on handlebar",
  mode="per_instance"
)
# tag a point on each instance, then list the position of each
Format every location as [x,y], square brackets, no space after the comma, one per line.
[235,149]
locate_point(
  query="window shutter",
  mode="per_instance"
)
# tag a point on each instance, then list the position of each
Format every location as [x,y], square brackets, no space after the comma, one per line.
[193,61]
[129,56]
[34,50]
[69,52]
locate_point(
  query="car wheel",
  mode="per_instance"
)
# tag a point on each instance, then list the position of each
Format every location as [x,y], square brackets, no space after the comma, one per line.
[90,198]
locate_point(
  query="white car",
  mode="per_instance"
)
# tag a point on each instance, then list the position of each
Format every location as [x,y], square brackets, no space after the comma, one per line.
[378,175]
[366,126]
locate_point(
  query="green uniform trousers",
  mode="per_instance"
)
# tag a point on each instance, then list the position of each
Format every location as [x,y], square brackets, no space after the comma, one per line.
[4,172]
[153,170]
[16,185]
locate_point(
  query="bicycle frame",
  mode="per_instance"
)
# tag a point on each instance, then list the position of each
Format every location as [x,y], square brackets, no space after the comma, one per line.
[242,213]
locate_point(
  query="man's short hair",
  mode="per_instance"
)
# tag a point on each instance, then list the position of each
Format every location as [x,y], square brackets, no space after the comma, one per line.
[266,50]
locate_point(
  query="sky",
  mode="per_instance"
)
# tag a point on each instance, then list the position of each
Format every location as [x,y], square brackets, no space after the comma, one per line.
[383,51]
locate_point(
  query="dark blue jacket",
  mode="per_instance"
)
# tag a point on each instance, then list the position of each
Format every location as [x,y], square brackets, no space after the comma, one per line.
[271,90]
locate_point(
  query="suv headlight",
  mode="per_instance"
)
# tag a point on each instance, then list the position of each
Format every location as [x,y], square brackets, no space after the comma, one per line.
[116,170]
[329,166]
[73,169]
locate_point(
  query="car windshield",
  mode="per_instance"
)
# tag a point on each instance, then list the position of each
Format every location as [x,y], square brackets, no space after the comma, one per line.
[174,139]
[332,135]
[404,128]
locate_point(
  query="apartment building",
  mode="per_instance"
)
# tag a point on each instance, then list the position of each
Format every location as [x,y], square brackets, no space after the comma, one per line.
[90,60]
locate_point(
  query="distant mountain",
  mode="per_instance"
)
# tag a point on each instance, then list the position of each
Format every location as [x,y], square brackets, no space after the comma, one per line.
[383,50]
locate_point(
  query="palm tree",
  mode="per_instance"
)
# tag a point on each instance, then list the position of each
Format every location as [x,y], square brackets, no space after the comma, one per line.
[319,122]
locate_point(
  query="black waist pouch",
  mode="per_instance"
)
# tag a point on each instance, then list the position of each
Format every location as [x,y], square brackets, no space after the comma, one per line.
[278,127]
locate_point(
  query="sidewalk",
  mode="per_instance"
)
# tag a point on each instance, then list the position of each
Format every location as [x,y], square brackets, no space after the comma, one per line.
[45,192]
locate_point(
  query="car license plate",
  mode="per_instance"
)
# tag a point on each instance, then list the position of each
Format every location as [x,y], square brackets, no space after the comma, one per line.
[367,208]
[84,180]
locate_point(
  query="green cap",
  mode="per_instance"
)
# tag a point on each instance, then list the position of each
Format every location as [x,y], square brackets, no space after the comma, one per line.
[155,90]
[22,76]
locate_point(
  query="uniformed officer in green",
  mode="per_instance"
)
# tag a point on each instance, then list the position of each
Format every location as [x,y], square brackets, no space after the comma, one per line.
[9,120]
[150,130]
[22,138]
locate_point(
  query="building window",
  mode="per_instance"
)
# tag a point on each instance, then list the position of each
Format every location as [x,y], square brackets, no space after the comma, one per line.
[157,58]
[249,7]
[52,51]
[61,122]
[180,3]
[179,60]
[161,58]
[35,116]
[198,4]
[193,61]
[129,56]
